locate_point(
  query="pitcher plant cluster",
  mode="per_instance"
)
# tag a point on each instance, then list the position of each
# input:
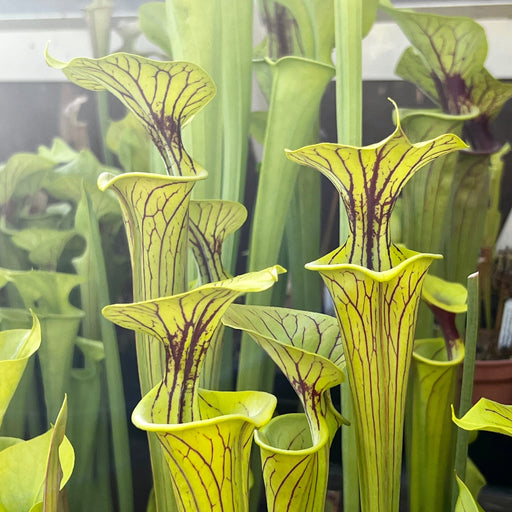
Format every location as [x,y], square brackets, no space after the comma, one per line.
[183,145]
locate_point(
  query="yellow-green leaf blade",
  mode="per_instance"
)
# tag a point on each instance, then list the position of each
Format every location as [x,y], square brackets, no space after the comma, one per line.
[16,346]
[30,459]
[487,415]
[22,169]
[465,501]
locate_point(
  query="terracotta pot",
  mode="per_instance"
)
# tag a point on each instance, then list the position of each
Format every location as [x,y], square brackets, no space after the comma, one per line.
[493,380]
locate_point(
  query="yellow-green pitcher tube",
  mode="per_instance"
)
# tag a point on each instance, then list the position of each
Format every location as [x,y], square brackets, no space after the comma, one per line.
[209,459]
[376,289]
[377,314]
[155,213]
[430,433]
[295,464]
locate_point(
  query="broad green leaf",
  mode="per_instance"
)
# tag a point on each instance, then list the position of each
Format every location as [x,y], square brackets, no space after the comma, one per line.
[209,458]
[59,152]
[44,246]
[487,415]
[30,459]
[369,180]
[22,175]
[64,183]
[184,324]
[465,501]
[307,349]
[210,222]
[47,294]
[55,215]
[16,347]
[163,95]
[44,291]
[152,19]
[452,48]
[430,434]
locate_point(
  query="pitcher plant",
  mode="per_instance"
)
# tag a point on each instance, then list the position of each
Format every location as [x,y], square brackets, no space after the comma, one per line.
[376,288]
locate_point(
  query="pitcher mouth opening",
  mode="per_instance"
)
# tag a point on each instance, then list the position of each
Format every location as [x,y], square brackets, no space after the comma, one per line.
[257,413]
[108,179]
[264,437]
[336,261]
